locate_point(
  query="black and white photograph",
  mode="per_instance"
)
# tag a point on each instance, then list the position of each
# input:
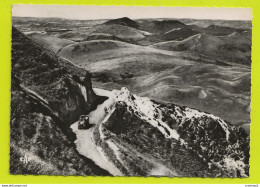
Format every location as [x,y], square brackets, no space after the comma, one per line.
[130,91]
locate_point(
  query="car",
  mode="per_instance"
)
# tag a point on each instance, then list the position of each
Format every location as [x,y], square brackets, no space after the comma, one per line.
[84,122]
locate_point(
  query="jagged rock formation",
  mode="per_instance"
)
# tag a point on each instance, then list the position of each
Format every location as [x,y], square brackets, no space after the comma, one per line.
[143,138]
[48,94]
[216,141]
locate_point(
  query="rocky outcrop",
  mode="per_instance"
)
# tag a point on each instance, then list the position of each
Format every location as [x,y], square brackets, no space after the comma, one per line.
[216,141]
[194,143]
[39,144]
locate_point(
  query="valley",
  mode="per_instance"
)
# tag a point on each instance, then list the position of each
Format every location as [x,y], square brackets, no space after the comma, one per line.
[165,60]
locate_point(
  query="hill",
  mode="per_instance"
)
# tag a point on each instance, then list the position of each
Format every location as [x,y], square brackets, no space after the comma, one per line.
[161,26]
[181,76]
[120,31]
[233,47]
[50,42]
[123,21]
[102,36]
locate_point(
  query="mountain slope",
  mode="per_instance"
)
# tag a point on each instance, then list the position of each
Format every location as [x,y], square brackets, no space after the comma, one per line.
[120,31]
[140,137]
[48,94]
[234,47]
[49,42]
[161,26]
[215,30]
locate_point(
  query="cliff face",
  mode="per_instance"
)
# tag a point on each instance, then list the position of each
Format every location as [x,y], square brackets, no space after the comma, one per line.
[66,88]
[48,94]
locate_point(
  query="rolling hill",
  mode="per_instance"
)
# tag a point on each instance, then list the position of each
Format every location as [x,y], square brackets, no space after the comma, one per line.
[120,31]
[170,61]
[125,21]
[50,42]
[181,76]
[161,26]
[234,47]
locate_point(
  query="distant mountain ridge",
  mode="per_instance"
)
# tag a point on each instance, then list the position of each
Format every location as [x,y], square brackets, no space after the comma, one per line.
[232,48]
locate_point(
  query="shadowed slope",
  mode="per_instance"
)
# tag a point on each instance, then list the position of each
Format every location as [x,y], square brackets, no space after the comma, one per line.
[48,94]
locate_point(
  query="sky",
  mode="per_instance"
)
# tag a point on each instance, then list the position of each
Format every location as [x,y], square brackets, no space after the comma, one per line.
[134,12]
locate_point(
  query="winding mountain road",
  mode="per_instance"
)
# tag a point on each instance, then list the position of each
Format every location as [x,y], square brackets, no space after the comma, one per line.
[85,143]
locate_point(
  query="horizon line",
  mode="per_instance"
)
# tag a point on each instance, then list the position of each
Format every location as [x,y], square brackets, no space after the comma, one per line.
[86,12]
[129,18]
